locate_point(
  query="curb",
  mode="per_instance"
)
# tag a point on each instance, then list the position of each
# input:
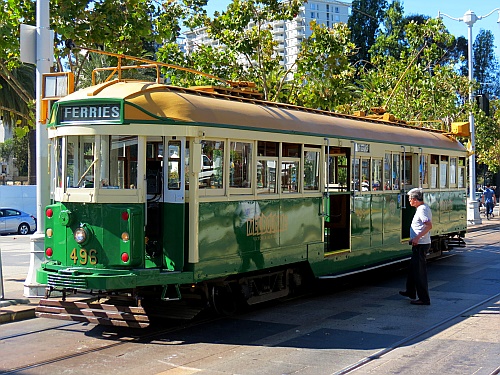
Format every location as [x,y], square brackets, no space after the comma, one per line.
[15,313]
[474,228]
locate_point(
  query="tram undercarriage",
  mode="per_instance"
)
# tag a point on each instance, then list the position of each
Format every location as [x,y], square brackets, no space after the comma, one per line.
[139,307]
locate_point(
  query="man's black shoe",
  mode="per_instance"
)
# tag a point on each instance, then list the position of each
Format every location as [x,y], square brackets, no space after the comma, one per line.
[419,302]
[406,294]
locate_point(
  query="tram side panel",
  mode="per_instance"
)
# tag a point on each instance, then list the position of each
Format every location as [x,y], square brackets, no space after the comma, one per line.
[250,235]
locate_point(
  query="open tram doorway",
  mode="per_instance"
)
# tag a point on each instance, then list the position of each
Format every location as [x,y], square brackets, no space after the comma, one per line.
[412,165]
[165,208]
[154,194]
[337,205]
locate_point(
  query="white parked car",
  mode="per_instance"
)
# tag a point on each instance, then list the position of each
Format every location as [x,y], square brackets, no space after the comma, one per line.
[16,221]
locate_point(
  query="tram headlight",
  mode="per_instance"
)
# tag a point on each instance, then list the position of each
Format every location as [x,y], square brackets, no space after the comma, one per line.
[80,235]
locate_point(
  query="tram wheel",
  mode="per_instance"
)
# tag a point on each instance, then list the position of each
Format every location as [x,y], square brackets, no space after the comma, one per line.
[223,300]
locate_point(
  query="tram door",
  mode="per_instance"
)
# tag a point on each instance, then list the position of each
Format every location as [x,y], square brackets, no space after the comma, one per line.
[174,210]
[154,195]
[409,176]
[338,219]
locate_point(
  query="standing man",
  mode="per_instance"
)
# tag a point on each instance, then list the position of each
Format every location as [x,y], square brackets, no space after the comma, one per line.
[489,200]
[420,239]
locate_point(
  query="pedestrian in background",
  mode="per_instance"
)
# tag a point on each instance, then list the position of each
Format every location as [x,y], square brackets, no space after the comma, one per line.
[420,240]
[489,200]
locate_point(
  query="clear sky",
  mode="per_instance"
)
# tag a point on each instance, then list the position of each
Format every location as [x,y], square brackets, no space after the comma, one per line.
[453,8]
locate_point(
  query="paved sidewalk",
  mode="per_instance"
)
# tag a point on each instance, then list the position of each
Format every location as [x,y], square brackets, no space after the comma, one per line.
[15,261]
[15,306]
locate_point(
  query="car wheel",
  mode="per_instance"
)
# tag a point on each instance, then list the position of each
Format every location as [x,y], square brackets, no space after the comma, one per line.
[23,229]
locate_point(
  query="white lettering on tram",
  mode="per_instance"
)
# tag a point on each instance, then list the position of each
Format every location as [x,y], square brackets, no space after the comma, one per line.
[98,112]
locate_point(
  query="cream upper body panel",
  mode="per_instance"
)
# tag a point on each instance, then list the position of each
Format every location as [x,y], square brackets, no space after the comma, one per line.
[151,101]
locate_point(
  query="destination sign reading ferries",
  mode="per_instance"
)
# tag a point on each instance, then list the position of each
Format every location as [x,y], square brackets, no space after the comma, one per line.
[85,113]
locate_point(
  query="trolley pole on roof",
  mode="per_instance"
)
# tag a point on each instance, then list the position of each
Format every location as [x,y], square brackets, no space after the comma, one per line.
[470,18]
[43,64]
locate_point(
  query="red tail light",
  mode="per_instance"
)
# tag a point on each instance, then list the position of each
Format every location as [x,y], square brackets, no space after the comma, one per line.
[125,215]
[49,212]
[125,258]
[48,252]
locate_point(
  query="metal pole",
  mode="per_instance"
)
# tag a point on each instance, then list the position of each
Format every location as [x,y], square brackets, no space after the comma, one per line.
[472,157]
[43,65]
[2,295]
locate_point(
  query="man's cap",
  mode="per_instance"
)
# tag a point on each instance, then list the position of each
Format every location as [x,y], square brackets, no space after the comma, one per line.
[416,193]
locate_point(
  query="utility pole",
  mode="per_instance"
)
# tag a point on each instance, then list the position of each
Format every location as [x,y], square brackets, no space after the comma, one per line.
[44,58]
[470,18]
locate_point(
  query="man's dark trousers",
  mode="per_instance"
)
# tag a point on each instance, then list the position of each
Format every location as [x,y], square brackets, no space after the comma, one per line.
[416,283]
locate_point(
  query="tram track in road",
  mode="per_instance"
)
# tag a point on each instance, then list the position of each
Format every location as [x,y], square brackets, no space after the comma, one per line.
[145,336]
[381,353]
[118,337]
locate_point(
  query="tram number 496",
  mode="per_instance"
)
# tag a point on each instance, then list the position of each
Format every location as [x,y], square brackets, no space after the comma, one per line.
[84,257]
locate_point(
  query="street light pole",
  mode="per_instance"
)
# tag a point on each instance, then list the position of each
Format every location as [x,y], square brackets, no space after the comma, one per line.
[43,65]
[470,19]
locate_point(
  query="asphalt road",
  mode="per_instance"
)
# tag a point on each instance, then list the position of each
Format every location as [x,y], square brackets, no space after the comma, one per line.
[362,327]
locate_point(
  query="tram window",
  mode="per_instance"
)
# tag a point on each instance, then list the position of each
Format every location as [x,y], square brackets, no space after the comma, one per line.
[70,162]
[424,171]
[376,174]
[289,173]
[407,170]
[461,177]
[453,172]
[461,172]
[266,175]
[395,172]
[434,171]
[173,166]
[80,170]
[267,148]
[240,174]
[292,150]
[443,172]
[365,174]
[355,174]
[211,175]
[387,172]
[58,154]
[120,156]
[311,170]
[338,170]
[267,161]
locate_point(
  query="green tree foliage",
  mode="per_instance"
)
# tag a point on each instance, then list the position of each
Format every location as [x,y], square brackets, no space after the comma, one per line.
[486,67]
[364,23]
[12,14]
[421,83]
[16,80]
[16,148]
[244,31]
[488,137]
[391,39]
[324,76]
[17,97]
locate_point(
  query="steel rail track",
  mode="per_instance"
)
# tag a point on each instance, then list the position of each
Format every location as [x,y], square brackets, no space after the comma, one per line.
[381,353]
[123,341]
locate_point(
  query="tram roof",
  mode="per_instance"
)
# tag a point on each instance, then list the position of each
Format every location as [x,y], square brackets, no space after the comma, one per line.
[152,101]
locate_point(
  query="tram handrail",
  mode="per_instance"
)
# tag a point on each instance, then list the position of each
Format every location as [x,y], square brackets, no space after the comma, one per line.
[70,44]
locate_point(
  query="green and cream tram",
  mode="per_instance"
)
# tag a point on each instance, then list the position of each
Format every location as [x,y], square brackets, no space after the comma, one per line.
[159,193]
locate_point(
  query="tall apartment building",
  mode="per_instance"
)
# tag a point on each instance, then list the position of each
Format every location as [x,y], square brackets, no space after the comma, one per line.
[289,34]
